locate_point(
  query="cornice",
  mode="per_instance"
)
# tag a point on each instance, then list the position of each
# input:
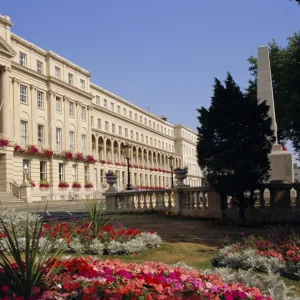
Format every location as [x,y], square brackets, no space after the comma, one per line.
[186,128]
[116,97]
[28,71]
[61,83]
[118,116]
[6,21]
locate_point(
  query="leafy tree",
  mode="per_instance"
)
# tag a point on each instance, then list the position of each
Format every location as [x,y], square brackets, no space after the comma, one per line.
[235,138]
[285,66]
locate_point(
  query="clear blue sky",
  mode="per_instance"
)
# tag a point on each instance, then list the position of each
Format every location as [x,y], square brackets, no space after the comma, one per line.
[162,54]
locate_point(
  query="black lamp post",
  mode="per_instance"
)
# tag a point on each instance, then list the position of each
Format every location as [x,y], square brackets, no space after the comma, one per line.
[128,157]
[171,160]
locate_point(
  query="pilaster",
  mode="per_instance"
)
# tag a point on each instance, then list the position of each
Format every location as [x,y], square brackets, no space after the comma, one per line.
[16,110]
[33,130]
[66,123]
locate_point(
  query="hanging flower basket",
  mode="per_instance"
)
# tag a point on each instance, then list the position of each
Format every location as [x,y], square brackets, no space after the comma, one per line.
[63,184]
[17,148]
[90,159]
[48,152]
[79,156]
[44,184]
[4,142]
[102,161]
[68,154]
[31,182]
[76,185]
[32,149]
[88,185]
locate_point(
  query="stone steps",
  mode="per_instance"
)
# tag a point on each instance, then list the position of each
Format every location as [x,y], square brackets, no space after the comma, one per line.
[9,198]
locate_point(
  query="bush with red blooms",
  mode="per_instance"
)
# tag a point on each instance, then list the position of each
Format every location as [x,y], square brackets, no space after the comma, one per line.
[87,278]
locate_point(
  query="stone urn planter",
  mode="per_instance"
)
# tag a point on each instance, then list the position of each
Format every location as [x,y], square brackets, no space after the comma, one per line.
[180,175]
[111,179]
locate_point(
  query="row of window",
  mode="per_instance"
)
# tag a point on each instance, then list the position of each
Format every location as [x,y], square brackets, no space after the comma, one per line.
[189,136]
[144,121]
[137,137]
[61,171]
[24,136]
[40,68]
[189,151]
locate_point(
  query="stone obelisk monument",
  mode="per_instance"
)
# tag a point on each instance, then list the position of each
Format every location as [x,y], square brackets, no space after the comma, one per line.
[281,161]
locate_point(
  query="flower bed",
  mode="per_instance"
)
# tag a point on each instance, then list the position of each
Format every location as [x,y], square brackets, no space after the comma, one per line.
[280,253]
[86,278]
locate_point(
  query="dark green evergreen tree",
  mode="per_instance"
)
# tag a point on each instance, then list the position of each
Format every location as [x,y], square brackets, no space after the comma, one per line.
[234,140]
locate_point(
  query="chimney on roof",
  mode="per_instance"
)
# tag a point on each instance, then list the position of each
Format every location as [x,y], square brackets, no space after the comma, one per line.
[164,118]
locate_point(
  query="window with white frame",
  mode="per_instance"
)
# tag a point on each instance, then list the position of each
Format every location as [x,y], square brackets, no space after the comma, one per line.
[157,127]
[126,132]
[41,135]
[118,109]
[72,141]
[106,126]
[58,105]
[113,128]
[23,93]
[83,144]
[24,133]
[82,84]
[162,145]
[43,170]
[71,78]
[137,136]
[58,139]
[97,100]
[151,141]
[135,117]
[124,111]
[145,121]
[99,124]
[147,140]
[61,172]
[112,108]
[105,103]
[161,129]
[39,67]
[153,125]
[57,73]
[23,59]
[74,173]
[142,138]
[149,123]
[154,142]
[141,119]
[158,143]
[86,173]
[120,130]
[71,109]
[131,134]
[130,114]
[40,99]
[83,114]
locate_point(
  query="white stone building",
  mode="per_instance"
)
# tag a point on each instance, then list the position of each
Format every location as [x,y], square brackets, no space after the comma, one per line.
[49,104]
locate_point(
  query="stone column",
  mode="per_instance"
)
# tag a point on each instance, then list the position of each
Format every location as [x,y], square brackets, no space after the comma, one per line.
[6,103]
[281,161]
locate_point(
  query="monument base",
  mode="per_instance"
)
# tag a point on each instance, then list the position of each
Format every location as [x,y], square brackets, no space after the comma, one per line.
[281,164]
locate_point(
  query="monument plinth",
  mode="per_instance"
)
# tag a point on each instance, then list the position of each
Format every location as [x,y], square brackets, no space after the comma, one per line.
[281,162]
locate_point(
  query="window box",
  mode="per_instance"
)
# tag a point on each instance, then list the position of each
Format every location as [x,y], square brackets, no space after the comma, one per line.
[79,156]
[4,142]
[88,185]
[48,152]
[31,182]
[32,149]
[68,154]
[44,184]
[63,184]
[76,185]
[90,158]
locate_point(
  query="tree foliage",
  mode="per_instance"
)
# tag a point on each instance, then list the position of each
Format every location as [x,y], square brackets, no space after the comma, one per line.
[285,67]
[235,138]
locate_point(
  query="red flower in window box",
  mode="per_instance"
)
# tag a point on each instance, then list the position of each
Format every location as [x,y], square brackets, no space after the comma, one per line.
[90,158]
[76,185]
[68,155]
[109,162]
[88,185]
[31,182]
[48,152]
[3,142]
[44,184]
[63,184]
[17,148]
[33,149]
[103,161]
[79,156]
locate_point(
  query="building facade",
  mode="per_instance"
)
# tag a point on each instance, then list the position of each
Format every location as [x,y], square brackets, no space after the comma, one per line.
[64,128]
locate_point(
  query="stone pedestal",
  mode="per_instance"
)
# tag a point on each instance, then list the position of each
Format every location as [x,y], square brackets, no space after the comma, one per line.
[110,200]
[26,192]
[281,165]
